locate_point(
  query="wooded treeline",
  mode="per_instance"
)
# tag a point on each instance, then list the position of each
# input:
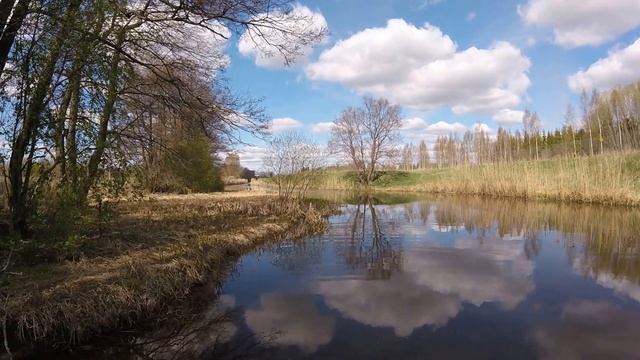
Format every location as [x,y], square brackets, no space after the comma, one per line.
[97,91]
[605,122]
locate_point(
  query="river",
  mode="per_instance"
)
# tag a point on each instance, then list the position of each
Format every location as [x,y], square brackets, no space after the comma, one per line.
[410,277]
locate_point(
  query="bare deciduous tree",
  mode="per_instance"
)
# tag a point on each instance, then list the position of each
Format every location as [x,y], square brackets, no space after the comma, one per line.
[571,126]
[92,80]
[532,127]
[295,163]
[367,136]
[423,153]
[407,157]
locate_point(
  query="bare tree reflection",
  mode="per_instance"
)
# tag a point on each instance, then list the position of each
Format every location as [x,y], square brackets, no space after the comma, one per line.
[202,337]
[532,244]
[187,331]
[297,254]
[368,247]
[424,211]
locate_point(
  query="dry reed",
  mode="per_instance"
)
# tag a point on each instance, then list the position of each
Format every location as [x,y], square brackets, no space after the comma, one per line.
[159,249]
[611,179]
[603,179]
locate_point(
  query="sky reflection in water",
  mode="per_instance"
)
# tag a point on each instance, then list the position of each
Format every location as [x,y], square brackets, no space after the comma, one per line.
[442,277]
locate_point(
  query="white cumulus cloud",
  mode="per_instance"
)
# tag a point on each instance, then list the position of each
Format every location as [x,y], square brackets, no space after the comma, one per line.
[444,128]
[434,285]
[322,127]
[508,117]
[583,22]
[422,68]
[283,124]
[252,156]
[481,127]
[264,46]
[295,317]
[379,55]
[417,129]
[414,123]
[619,68]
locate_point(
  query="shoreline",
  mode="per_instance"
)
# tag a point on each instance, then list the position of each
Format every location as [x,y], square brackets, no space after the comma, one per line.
[610,179]
[543,197]
[568,198]
[170,244]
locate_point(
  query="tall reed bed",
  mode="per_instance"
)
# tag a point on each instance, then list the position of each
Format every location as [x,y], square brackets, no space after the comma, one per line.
[337,180]
[605,179]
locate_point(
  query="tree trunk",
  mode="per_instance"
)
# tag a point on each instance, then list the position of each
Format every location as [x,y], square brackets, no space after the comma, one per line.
[71,148]
[5,10]
[619,121]
[109,106]
[74,84]
[12,27]
[59,132]
[600,132]
[591,139]
[17,199]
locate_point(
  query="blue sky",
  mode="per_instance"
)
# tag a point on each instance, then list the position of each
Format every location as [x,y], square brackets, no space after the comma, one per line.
[525,52]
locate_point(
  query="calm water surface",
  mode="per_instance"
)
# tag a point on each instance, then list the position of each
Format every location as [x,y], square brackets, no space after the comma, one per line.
[407,278]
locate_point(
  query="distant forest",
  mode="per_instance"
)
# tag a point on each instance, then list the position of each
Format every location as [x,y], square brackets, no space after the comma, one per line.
[605,122]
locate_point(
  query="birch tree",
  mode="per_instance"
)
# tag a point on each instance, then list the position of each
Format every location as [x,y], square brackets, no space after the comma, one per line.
[423,154]
[570,125]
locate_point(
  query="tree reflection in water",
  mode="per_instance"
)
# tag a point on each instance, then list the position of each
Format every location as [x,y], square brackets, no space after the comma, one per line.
[368,246]
[393,264]
[296,255]
[186,331]
[598,240]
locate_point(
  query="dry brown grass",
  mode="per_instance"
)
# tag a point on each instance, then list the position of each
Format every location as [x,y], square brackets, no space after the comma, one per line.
[156,252]
[611,179]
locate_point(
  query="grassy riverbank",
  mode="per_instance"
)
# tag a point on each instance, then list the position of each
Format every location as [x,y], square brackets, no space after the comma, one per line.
[612,179]
[152,255]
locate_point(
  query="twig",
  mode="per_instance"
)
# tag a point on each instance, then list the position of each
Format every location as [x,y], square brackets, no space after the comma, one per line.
[6,264]
[4,307]
[4,328]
